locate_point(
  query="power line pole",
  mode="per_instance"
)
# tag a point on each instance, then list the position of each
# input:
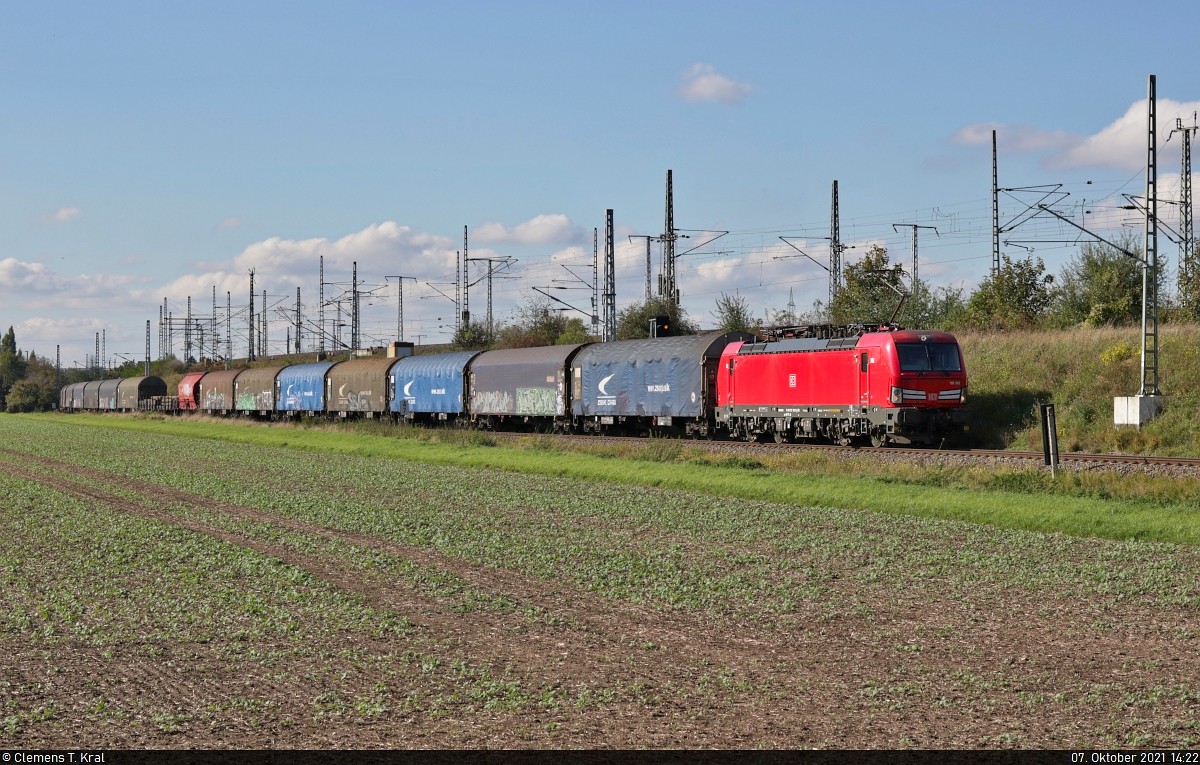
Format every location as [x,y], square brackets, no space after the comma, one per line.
[147,347]
[466,306]
[490,326]
[251,337]
[1150,251]
[96,356]
[160,332]
[321,310]
[505,261]
[995,212]
[262,322]
[647,269]
[298,320]
[610,280]
[667,286]
[647,238]
[228,328]
[595,281]
[1188,271]
[187,334]
[457,289]
[58,364]
[354,328]
[835,247]
[212,328]
[400,303]
[914,227]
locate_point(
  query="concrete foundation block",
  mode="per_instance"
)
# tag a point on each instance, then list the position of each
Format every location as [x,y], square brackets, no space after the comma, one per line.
[1135,410]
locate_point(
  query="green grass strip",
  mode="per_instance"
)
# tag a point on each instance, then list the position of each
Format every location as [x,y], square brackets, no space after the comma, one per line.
[1078,516]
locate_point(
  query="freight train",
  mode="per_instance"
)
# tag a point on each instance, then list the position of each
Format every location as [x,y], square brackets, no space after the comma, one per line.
[876,383]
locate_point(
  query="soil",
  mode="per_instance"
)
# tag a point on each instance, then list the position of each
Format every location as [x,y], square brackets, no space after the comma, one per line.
[1033,672]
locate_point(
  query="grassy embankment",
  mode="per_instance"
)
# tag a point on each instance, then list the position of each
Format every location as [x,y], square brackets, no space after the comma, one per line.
[1166,510]
[1080,371]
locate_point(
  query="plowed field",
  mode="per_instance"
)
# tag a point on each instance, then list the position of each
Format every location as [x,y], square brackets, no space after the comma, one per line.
[167,591]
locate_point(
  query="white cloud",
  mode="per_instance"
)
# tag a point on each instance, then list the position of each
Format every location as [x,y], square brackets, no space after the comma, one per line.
[63,215]
[132,260]
[544,229]
[379,249]
[702,83]
[227,223]
[1121,144]
[35,286]
[1022,137]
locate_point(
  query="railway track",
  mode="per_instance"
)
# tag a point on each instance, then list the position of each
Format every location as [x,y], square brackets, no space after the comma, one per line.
[1131,459]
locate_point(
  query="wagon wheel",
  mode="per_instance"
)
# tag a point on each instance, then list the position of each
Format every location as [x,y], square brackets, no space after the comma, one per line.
[878,439]
[780,436]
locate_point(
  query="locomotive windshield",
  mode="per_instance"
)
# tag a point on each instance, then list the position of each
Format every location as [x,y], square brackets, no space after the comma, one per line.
[928,357]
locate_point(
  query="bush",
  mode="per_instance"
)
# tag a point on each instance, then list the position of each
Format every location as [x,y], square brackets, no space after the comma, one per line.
[31,395]
[1115,354]
[1016,298]
[1101,286]
[633,323]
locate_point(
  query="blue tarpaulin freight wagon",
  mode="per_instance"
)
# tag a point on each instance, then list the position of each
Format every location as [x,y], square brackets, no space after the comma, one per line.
[431,384]
[662,378]
[301,388]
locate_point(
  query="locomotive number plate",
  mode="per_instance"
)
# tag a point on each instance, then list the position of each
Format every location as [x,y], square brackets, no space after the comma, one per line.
[932,396]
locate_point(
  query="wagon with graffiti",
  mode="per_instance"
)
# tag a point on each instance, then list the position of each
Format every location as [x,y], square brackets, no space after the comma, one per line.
[521,386]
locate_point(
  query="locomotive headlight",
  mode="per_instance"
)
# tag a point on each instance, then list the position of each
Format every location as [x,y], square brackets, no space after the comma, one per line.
[897,395]
[962,396]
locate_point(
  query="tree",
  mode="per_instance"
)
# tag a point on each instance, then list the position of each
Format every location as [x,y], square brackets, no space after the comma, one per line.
[12,365]
[938,308]
[733,314]
[1017,297]
[574,333]
[536,322]
[1189,290]
[1102,286]
[868,295]
[471,336]
[633,322]
[35,394]
[8,344]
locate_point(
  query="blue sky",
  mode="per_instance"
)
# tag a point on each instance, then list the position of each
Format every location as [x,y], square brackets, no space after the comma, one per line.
[149,150]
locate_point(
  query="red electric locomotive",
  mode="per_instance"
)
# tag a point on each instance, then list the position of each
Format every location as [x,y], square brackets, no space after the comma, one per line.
[841,383]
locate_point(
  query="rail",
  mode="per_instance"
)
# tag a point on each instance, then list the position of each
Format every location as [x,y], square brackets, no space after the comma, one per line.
[1136,459]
